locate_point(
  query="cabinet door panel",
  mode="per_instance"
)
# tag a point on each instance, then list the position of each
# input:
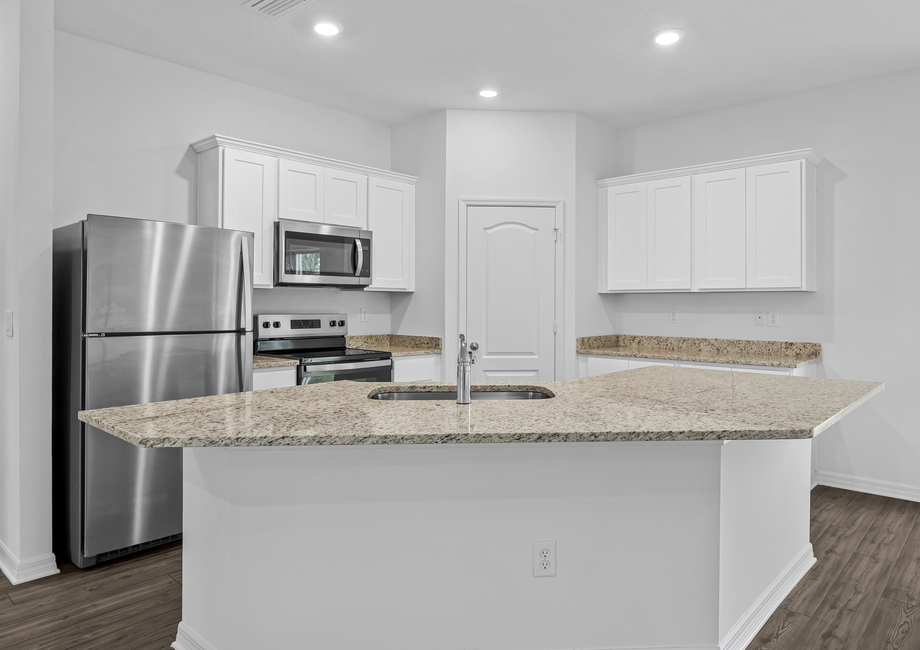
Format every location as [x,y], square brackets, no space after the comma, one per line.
[346,198]
[301,190]
[774,226]
[391,217]
[627,219]
[249,186]
[597,365]
[669,233]
[718,230]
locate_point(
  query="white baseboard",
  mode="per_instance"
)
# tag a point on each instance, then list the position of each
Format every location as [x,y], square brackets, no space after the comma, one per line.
[18,572]
[743,632]
[870,486]
[188,640]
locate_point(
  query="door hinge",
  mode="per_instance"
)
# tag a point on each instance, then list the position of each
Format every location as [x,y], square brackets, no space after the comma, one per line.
[554,327]
[555,234]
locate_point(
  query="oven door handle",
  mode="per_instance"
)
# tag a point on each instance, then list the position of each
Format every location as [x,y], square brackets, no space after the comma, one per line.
[347,366]
[360,263]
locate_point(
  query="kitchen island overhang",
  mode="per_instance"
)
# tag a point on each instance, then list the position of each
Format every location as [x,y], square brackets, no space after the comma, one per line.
[661,542]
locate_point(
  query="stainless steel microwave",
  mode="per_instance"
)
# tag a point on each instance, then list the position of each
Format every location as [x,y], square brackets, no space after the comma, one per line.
[319,255]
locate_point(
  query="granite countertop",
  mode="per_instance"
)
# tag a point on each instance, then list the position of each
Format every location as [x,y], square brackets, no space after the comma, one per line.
[649,404]
[259,362]
[399,345]
[775,354]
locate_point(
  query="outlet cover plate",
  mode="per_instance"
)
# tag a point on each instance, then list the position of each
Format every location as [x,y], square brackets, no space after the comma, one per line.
[544,559]
[773,318]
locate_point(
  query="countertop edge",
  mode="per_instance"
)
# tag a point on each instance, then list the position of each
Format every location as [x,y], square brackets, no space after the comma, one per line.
[740,361]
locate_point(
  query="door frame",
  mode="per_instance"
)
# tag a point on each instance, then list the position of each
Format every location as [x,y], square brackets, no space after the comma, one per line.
[558,205]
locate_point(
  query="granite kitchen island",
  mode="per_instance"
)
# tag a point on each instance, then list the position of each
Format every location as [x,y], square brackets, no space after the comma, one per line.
[678,500]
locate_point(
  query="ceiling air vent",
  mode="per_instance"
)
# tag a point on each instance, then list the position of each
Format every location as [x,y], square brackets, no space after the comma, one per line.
[275,8]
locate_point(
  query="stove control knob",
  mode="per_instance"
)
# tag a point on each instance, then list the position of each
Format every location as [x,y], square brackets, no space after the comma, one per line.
[341,323]
[332,323]
[266,324]
[277,323]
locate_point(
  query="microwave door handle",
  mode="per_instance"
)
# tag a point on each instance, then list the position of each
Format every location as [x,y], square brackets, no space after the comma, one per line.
[360,264]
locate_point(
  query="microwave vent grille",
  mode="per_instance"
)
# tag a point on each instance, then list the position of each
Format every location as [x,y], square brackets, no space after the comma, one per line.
[275,8]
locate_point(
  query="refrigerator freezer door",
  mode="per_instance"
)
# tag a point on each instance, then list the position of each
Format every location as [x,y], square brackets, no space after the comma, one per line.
[133,495]
[154,276]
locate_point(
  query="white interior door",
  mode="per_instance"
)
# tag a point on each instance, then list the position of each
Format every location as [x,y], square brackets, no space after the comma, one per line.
[510,292]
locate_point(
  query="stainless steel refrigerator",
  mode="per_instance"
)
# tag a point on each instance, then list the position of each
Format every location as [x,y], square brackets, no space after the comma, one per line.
[143,311]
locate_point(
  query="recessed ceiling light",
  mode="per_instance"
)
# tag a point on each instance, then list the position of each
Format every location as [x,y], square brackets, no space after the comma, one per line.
[668,36]
[487,92]
[327,28]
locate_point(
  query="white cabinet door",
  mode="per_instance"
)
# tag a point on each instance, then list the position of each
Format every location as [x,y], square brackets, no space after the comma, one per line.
[301,191]
[597,365]
[346,198]
[417,369]
[718,230]
[669,233]
[627,218]
[265,378]
[643,363]
[249,182]
[774,226]
[391,217]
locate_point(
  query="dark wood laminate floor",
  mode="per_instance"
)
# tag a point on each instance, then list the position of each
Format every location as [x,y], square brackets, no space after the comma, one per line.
[864,592]
[129,604]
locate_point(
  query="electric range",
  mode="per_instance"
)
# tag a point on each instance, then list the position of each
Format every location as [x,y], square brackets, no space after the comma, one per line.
[317,342]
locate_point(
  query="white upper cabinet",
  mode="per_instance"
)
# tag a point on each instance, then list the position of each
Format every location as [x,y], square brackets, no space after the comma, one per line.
[718,230]
[627,219]
[246,194]
[301,191]
[249,186]
[669,234]
[346,199]
[391,217]
[739,225]
[775,225]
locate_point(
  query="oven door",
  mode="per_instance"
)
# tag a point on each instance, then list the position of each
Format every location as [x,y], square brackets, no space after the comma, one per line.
[377,370]
[318,254]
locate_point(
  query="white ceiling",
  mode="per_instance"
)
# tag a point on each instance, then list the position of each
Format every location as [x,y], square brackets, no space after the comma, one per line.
[398,59]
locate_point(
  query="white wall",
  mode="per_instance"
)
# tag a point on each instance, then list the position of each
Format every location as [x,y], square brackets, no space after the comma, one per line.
[419,148]
[865,312]
[509,155]
[124,123]
[26,147]
[599,153]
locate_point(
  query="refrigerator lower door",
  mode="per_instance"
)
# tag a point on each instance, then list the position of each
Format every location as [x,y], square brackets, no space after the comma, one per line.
[133,495]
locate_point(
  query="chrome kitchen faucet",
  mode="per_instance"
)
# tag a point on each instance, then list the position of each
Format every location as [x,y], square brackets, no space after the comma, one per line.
[464,377]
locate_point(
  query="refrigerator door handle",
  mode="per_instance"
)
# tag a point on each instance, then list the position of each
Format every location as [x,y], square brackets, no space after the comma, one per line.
[246,286]
[245,361]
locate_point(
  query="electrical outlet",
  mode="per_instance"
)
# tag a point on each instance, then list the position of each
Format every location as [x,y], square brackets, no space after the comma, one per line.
[9,323]
[363,315]
[544,559]
[672,317]
[773,318]
[760,318]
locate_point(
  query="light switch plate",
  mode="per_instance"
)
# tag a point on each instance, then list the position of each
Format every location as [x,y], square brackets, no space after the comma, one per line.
[9,323]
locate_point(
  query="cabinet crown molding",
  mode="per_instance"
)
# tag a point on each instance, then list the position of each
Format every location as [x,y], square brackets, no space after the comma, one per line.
[213,141]
[810,155]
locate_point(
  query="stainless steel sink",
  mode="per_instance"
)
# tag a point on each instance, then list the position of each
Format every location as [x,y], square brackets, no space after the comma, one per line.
[452,395]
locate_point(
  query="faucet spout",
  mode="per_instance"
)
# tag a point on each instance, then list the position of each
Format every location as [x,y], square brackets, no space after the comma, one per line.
[465,360]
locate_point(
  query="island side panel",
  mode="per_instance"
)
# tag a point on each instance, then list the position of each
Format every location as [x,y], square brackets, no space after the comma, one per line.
[430,546]
[765,547]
